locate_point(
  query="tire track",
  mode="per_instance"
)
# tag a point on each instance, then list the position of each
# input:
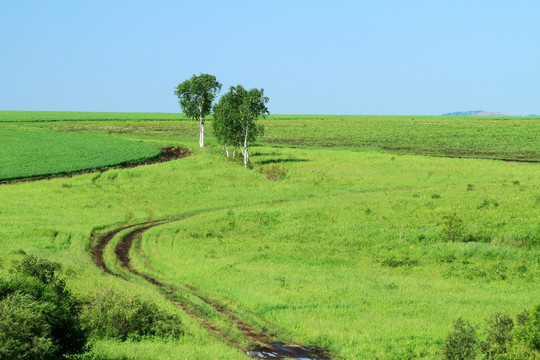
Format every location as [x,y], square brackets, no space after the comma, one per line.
[266,347]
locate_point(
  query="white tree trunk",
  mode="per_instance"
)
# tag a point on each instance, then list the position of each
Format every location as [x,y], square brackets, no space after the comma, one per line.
[201,137]
[227,151]
[246,154]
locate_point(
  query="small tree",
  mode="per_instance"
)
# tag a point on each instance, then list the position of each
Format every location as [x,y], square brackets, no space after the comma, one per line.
[226,123]
[196,96]
[235,115]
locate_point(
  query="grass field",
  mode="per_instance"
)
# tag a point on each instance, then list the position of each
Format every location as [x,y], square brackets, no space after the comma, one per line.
[26,154]
[350,252]
[46,116]
[510,138]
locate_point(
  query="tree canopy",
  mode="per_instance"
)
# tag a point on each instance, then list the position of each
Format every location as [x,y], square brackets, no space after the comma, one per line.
[235,116]
[195,97]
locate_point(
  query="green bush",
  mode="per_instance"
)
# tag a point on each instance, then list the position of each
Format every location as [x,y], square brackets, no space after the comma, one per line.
[395,262]
[462,343]
[24,331]
[503,340]
[275,171]
[527,333]
[498,335]
[38,315]
[108,314]
[452,228]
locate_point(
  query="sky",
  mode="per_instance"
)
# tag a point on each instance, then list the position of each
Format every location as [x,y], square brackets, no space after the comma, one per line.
[372,57]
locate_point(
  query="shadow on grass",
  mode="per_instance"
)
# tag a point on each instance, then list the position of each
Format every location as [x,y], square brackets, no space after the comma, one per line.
[264,154]
[279,160]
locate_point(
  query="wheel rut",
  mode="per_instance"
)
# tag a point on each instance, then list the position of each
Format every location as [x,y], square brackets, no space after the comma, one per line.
[266,347]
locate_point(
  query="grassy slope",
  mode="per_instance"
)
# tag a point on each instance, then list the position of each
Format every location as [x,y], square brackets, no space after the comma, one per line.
[320,265]
[315,265]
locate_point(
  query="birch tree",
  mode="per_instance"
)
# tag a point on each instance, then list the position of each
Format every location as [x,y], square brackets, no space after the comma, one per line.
[237,112]
[226,123]
[195,96]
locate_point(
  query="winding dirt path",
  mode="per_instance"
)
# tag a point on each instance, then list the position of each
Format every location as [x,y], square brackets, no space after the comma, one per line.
[266,346]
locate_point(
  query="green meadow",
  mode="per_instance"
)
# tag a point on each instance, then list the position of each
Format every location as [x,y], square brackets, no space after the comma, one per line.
[383,231]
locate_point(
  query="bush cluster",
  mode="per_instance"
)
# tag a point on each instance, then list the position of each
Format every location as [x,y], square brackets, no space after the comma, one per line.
[502,338]
[39,317]
[124,317]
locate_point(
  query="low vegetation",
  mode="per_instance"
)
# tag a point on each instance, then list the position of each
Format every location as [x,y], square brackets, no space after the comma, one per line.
[35,153]
[39,316]
[362,249]
[500,338]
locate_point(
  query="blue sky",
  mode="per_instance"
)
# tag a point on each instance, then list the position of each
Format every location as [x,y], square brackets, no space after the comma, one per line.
[311,57]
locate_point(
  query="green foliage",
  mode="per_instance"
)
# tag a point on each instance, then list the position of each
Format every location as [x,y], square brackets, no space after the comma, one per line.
[462,343]
[395,262]
[109,314]
[452,227]
[24,330]
[227,124]
[38,314]
[502,339]
[42,269]
[235,116]
[275,171]
[196,95]
[498,335]
[527,333]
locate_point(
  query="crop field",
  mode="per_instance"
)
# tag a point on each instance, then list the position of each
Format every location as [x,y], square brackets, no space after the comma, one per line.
[47,116]
[383,231]
[26,154]
[507,138]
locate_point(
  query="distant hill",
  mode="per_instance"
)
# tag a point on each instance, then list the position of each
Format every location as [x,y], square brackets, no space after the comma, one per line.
[475,113]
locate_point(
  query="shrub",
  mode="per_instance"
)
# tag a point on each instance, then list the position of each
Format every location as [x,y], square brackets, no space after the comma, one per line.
[24,331]
[395,262]
[452,228]
[498,335]
[527,332]
[38,315]
[503,340]
[275,171]
[110,315]
[462,343]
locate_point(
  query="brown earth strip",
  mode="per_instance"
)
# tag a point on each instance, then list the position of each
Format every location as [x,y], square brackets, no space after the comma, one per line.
[266,348]
[167,154]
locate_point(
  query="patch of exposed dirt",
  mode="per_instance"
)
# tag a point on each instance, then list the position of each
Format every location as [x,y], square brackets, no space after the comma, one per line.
[266,348]
[167,154]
